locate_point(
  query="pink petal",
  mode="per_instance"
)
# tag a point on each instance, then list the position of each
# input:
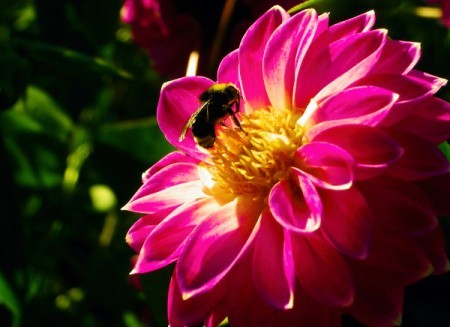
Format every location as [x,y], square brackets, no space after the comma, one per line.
[322,25]
[434,82]
[373,150]
[321,271]
[354,103]
[167,199]
[420,159]
[366,105]
[345,222]
[326,165]
[140,230]
[179,99]
[397,57]
[216,244]
[354,25]
[228,71]
[406,87]
[340,64]
[412,92]
[251,52]
[296,207]
[288,44]
[406,209]
[192,311]
[171,158]
[163,245]
[170,175]
[168,188]
[273,282]
[430,120]
[323,37]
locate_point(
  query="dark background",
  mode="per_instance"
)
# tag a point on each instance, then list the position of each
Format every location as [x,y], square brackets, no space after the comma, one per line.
[77,127]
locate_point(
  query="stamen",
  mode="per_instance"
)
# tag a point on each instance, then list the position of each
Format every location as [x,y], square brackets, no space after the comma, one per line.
[253,162]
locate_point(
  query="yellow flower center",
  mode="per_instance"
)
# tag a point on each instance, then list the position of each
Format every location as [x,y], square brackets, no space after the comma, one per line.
[251,163]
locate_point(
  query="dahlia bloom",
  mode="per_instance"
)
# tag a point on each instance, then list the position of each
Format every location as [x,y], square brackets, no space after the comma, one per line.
[326,205]
[168,37]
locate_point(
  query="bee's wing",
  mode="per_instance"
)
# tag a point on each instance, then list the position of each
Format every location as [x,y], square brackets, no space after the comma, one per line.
[191,121]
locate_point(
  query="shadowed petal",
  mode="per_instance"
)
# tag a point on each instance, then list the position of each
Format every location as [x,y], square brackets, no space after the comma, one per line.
[345,223]
[247,308]
[216,244]
[179,99]
[394,259]
[376,303]
[434,245]
[192,311]
[321,271]
[406,209]
[393,263]
[296,207]
[216,317]
[251,52]
[430,120]
[420,159]
[274,284]
[438,188]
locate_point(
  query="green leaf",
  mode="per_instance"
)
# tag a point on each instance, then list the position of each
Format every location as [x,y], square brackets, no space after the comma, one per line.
[9,300]
[48,52]
[140,138]
[445,149]
[40,107]
[35,156]
[303,5]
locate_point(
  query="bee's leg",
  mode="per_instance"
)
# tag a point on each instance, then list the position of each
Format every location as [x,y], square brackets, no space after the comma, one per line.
[207,113]
[236,121]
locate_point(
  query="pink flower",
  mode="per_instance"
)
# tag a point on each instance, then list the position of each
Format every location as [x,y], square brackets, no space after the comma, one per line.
[167,36]
[326,205]
[445,5]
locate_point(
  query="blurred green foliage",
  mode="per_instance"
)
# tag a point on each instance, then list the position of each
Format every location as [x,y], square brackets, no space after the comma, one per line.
[78,127]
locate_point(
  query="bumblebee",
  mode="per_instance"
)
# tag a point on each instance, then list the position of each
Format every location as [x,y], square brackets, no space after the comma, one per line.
[216,105]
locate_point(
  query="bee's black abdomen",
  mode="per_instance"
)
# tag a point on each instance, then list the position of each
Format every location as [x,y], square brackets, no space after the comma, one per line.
[202,128]
[217,104]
